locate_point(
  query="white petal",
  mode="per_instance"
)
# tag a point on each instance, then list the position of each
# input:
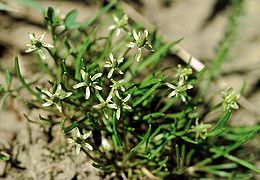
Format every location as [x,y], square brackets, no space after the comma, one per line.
[76,86]
[183,98]
[125,17]
[41,54]
[88,146]
[47,103]
[234,106]
[127,98]
[112,106]
[110,73]
[58,107]
[119,61]
[170,85]
[127,107]
[130,45]
[136,37]
[70,141]
[98,87]
[146,33]
[189,86]
[149,47]
[117,94]
[78,132]
[30,49]
[122,88]
[109,97]
[97,106]
[42,36]
[78,147]
[111,57]
[181,81]
[32,37]
[87,93]
[118,31]
[115,18]
[47,45]
[48,93]
[138,54]
[85,136]
[83,75]
[118,113]
[67,94]
[173,93]
[98,75]
[119,71]
[108,65]
[111,27]
[105,144]
[121,81]
[58,90]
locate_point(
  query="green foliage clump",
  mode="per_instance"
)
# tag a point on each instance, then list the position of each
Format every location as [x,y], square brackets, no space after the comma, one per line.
[132,117]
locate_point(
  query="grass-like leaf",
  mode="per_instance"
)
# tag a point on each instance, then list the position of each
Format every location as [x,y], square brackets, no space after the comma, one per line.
[3,158]
[237,160]
[78,61]
[20,77]
[147,94]
[220,126]
[155,57]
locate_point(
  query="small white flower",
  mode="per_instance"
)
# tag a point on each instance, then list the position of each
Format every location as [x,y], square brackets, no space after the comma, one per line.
[120,24]
[80,141]
[37,45]
[114,65]
[103,103]
[179,90]
[141,41]
[117,86]
[230,100]
[121,105]
[200,129]
[106,144]
[183,72]
[89,81]
[56,97]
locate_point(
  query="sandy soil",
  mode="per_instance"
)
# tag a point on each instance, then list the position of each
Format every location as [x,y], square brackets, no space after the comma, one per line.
[36,157]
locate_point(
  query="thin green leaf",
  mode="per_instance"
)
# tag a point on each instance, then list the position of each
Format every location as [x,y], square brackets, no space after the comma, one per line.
[229,148]
[3,158]
[101,11]
[244,129]
[153,115]
[78,61]
[151,138]
[157,55]
[241,141]
[115,132]
[168,105]
[144,140]
[220,126]
[20,77]
[73,125]
[146,95]
[237,160]
[3,100]
[186,138]
[223,166]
